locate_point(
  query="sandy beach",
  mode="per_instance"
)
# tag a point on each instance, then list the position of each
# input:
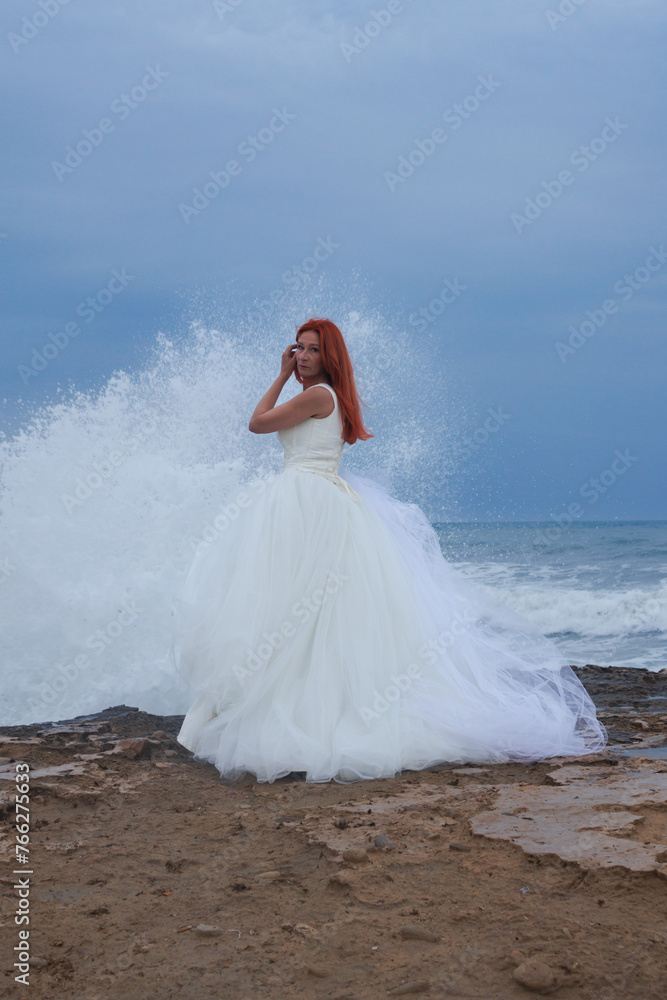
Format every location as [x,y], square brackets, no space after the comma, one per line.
[152,877]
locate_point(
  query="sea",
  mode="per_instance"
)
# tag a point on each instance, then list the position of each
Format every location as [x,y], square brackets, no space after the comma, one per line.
[107,490]
[597,588]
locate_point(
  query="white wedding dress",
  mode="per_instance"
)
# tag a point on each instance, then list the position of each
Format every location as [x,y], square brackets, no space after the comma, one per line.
[324,632]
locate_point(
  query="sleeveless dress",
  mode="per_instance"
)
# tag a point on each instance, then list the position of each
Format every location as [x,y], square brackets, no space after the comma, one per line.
[324,632]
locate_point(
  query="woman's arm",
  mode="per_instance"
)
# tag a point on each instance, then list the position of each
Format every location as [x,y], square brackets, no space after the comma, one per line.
[313,402]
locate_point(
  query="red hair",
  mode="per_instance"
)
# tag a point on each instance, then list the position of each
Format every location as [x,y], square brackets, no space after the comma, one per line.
[338,367]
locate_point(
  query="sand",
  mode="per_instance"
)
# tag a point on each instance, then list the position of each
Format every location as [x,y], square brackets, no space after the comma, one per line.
[152,877]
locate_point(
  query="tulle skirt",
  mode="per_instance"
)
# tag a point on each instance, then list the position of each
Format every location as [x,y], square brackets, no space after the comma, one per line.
[324,632]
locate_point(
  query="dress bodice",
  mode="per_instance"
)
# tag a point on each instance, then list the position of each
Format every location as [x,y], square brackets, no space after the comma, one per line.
[316,444]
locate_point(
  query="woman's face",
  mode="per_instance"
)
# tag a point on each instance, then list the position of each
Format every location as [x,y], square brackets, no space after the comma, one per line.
[307,354]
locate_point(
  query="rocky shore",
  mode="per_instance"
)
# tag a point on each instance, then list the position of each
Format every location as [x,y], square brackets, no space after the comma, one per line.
[152,877]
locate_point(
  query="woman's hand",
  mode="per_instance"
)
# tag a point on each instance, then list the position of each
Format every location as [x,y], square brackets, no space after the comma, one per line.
[288,362]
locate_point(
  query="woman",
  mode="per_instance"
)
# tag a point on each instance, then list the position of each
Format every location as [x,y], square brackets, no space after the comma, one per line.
[326,634]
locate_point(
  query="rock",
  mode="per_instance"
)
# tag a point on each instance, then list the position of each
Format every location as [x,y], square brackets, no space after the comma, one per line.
[306,930]
[415,986]
[341,878]
[37,963]
[416,933]
[270,875]
[434,836]
[207,930]
[458,847]
[534,975]
[160,734]
[170,753]
[315,970]
[355,855]
[132,748]
[382,841]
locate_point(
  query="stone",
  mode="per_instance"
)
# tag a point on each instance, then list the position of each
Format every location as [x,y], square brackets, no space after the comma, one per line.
[534,975]
[270,875]
[458,847]
[415,932]
[315,970]
[355,855]
[382,841]
[207,930]
[160,734]
[341,878]
[414,986]
[132,748]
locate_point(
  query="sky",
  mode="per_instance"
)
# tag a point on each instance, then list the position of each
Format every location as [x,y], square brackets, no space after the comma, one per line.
[490,171]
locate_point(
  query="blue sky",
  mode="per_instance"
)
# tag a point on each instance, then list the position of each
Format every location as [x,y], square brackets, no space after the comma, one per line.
[513,148]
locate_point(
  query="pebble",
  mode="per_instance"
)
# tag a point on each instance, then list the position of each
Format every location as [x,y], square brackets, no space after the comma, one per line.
[207,930]
[414,986]
[383,841]
[306,930]
[417,933]
[314,970]
[170,753]
[270,875]
[356,855]
[160,734]
[37,963]
[534,975]
[341,878]
[458,847]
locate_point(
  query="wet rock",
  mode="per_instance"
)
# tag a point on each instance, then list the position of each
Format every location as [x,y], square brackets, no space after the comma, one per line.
[415,932]
[383,842]
[414,986]
[355,855]
[534,975]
